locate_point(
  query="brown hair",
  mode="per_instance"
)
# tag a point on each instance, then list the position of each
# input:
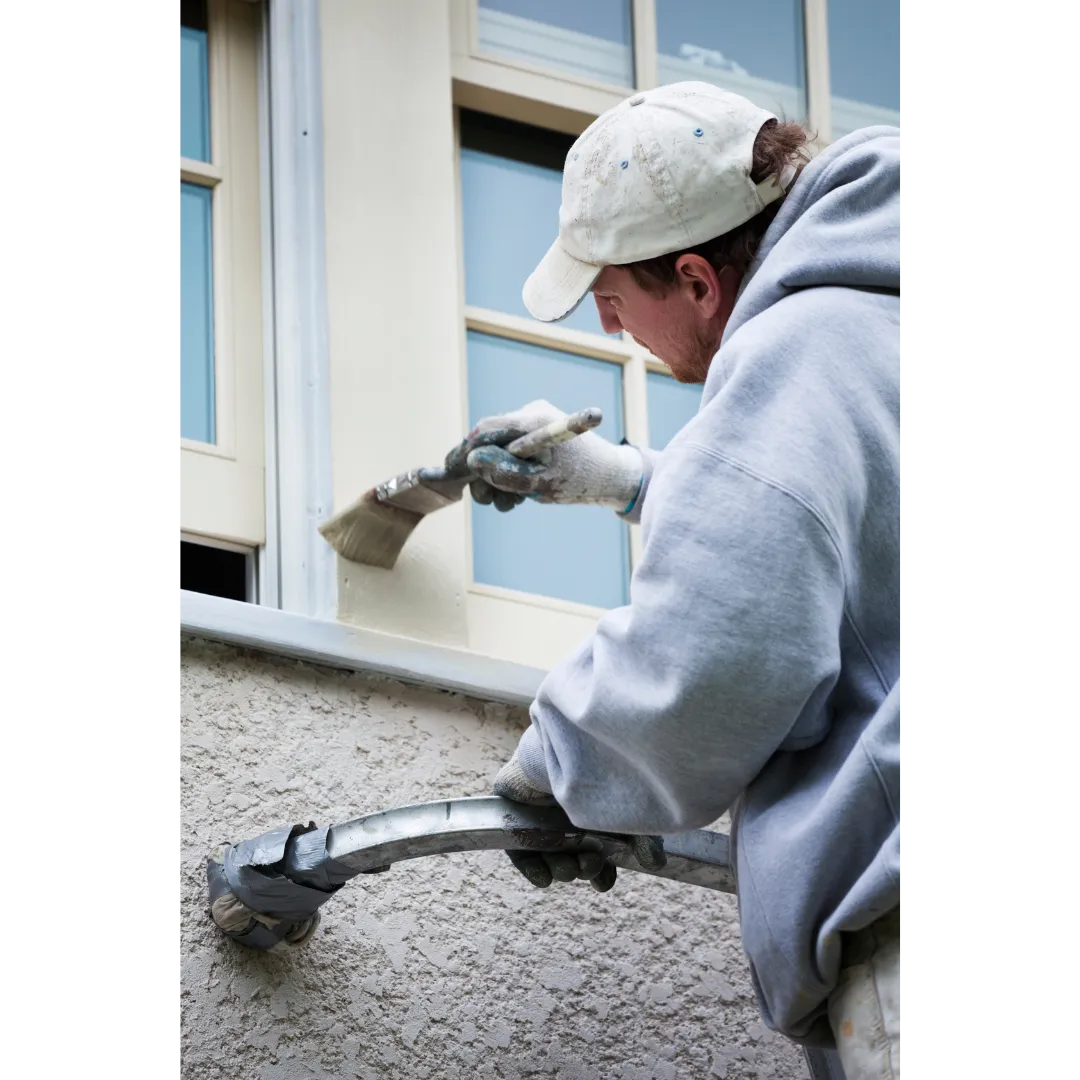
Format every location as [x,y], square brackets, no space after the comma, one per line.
[777,146]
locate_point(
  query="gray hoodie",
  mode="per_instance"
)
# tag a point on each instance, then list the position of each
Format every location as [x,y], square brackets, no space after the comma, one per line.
[757,666]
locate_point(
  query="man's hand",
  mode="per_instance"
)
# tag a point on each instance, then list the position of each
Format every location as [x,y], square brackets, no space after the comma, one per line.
[587,469]
[542,868]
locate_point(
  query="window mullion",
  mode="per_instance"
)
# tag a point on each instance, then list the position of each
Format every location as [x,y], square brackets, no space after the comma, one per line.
[819,104]
[636,423]
[646,63]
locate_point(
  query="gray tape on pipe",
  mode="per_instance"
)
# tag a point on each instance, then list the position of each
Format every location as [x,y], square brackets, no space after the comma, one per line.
[268,890]
[255,869]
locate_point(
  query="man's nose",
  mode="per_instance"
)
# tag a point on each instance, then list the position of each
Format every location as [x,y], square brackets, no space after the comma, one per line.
[608,319]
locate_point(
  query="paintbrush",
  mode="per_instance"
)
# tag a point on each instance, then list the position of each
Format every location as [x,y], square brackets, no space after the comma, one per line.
[373,530]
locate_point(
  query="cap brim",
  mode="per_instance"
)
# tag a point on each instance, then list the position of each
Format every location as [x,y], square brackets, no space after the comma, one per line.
[558,284]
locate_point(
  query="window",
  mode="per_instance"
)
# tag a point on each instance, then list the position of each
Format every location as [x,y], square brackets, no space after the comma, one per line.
[832,64]
[864,63]
[590,40]
[755,49]
[196,256]
[510,192]
[672,405]
[511,187]
[577,553]
[221,388]
[511,182]
[218,570]
[197,413]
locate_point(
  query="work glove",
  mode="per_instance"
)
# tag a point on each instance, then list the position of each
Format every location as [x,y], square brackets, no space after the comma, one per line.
[587,469]
[589,864]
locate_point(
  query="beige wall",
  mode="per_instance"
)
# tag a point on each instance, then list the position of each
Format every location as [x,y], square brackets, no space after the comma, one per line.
[444,967]
[397,396]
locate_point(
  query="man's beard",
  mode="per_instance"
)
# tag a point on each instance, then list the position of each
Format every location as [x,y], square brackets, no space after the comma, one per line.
[696,351]
[697,358]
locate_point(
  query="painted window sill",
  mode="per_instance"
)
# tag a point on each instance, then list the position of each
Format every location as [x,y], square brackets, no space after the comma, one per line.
[334,644]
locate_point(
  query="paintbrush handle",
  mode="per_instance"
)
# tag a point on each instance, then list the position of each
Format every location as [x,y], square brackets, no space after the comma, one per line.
[558,431]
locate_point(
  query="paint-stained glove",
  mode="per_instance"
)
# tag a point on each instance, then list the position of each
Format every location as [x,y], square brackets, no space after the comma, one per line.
[587,469]
[542,868]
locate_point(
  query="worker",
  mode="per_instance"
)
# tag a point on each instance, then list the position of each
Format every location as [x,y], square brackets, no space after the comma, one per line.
[756,667]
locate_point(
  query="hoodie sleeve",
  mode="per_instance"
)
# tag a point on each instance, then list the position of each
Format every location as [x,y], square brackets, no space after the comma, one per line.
[672,706]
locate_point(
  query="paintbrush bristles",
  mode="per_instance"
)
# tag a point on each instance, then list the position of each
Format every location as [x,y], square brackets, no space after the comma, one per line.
[370,532]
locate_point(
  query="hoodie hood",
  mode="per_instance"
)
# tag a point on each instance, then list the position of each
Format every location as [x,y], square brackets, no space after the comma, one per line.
[839,225]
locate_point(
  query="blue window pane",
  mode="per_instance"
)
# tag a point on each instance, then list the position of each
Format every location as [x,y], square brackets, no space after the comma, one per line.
[578,553]
[754,49]
[196,315]
[671,405]
[591,40]
[510,211]
[864,63]
[194,95]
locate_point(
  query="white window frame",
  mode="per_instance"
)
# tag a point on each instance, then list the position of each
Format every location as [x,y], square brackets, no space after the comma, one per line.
[251,560]
[489,82]
[516,625]
[223,484]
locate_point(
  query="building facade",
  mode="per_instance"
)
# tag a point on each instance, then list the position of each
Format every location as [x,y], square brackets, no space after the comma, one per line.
[365,185]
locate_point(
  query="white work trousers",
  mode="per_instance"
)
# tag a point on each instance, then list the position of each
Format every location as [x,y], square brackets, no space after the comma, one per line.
[864,1009]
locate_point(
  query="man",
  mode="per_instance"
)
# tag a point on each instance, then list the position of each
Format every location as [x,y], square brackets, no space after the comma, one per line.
[757,665]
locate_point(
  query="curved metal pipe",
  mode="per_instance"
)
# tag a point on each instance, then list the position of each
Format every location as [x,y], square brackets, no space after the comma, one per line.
[489,823]
[267,891]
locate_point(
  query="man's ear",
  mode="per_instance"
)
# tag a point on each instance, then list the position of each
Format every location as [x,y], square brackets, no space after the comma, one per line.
[701,282]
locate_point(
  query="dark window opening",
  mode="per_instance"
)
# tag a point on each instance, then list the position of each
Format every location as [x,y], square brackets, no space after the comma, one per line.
[193,14]
[214,571]
[508,138]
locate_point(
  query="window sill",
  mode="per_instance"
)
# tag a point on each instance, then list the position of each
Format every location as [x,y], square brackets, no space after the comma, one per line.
[319,641]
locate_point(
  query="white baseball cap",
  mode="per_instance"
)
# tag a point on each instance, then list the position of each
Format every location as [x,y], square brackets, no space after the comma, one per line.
[664,170]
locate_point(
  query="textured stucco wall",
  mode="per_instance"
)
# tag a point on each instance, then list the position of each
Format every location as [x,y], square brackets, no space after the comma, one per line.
[443,967]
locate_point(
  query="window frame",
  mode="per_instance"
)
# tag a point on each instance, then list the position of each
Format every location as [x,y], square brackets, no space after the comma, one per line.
[514,624]
[489,82]
[223,483]
[251,561]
